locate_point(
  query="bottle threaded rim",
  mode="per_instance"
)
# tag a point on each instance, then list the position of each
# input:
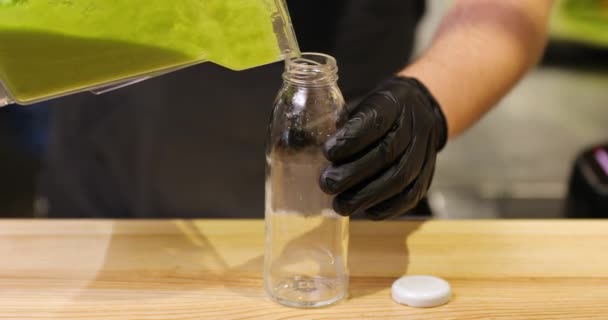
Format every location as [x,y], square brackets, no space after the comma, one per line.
[311,69]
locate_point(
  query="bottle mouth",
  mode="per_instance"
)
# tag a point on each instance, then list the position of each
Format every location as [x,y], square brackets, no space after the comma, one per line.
[311,69]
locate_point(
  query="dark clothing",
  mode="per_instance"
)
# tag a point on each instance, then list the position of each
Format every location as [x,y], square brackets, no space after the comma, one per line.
[191,143]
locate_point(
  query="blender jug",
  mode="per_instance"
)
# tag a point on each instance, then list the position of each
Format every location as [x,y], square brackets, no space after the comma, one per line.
[53,48]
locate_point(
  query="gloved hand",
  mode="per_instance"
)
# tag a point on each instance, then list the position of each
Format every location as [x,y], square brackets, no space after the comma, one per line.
[383,155]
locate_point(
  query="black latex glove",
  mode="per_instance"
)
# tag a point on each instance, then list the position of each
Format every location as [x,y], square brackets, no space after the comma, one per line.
[383,155]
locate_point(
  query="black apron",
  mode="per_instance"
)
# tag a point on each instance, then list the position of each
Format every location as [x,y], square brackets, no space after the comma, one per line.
[191,143]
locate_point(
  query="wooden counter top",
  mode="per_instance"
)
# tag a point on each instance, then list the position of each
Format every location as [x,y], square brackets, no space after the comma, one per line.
[212,269]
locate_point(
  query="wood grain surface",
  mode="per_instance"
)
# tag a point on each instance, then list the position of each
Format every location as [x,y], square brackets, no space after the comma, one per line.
[212,269]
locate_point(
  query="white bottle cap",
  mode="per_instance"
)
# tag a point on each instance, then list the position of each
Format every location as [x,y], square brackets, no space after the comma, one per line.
[421,291]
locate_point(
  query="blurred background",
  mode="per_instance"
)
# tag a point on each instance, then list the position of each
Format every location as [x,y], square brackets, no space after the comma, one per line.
[516,163]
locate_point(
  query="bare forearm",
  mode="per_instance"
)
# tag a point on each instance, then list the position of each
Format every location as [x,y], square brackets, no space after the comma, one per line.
[481,50]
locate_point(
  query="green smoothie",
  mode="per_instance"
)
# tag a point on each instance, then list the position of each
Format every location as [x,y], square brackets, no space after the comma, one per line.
[53,47]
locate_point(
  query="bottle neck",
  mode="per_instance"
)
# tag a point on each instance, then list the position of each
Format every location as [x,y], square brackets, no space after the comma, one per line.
[311,70]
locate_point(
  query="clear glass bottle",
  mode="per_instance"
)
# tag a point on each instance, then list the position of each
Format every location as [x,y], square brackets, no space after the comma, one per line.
[306,240]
